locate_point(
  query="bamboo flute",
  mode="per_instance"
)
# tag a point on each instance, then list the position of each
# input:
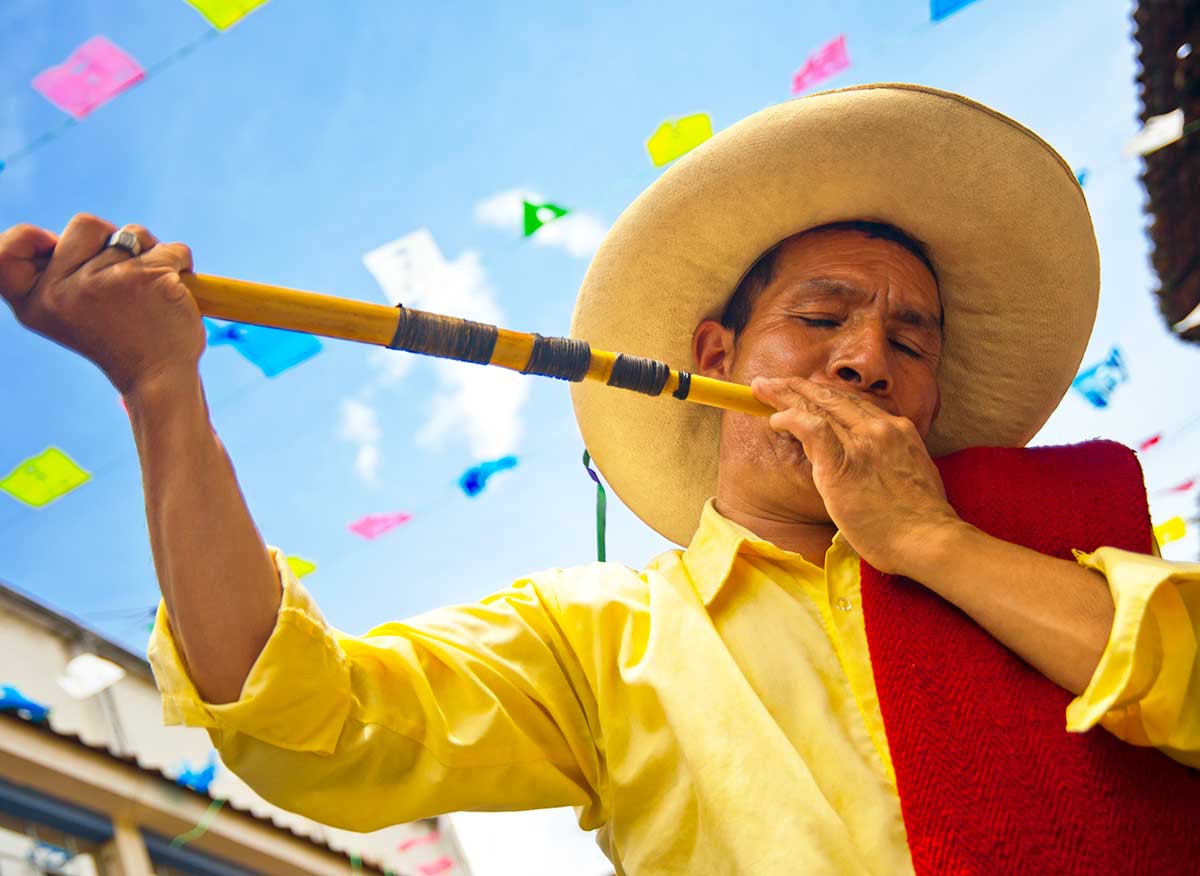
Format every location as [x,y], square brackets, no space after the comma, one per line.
[347,319]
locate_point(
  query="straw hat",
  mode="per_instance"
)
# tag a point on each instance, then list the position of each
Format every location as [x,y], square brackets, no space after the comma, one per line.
[1006,226]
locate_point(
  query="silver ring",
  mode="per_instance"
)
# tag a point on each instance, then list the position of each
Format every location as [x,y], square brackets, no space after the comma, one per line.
[126,240]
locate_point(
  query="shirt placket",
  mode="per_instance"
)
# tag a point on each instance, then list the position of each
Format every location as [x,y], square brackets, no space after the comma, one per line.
[843,615]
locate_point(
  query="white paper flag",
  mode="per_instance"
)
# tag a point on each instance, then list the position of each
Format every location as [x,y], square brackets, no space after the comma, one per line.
[405,268]
[1156,133]
[88,674]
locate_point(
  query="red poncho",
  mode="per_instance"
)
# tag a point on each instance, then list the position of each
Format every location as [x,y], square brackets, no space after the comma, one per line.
[990,782]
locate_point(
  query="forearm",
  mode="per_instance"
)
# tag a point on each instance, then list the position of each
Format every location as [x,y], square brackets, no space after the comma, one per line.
[1053,613]
[220,587]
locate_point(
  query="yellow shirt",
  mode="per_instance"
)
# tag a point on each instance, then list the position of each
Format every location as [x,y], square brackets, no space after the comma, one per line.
[715,713]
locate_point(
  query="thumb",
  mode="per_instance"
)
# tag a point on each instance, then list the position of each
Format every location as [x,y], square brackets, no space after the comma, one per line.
[24,253]
[175,257]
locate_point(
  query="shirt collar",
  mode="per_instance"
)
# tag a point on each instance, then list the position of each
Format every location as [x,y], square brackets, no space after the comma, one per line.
[716,544]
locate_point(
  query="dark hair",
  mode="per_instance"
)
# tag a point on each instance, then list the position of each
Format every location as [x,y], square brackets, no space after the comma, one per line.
[737,310]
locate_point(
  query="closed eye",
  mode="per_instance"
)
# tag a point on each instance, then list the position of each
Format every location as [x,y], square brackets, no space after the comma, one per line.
[905,349]
[819,323]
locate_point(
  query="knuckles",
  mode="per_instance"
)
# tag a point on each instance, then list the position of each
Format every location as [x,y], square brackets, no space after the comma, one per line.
[89,224]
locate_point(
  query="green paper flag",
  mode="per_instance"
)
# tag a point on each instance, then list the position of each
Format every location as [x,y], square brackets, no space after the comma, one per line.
[537,215]
[223,14]
[41,479]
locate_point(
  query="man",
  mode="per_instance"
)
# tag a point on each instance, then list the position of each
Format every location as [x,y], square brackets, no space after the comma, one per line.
[898,271]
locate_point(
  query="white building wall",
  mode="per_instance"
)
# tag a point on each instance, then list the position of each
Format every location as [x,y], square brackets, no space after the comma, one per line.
[128,719]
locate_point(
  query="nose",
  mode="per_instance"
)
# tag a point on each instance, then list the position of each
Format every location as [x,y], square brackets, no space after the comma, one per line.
[861,361]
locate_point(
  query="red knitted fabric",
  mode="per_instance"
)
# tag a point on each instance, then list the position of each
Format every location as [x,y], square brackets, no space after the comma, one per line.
[990,782]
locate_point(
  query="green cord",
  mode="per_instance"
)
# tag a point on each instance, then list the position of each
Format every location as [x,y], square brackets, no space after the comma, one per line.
[601,506]
[201,827]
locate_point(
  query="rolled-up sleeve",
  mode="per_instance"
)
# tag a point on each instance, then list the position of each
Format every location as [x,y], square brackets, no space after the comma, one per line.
[481,706]
[1146,687]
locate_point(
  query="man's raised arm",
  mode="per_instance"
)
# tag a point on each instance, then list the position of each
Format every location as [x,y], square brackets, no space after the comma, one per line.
[132,316]
[220,586]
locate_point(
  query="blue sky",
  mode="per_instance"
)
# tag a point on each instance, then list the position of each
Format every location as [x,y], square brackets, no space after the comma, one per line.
[285,148]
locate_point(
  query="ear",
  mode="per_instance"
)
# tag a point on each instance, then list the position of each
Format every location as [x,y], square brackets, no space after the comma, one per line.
[713,349]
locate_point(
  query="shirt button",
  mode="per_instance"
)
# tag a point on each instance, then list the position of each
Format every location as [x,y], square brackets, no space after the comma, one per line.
[844,604]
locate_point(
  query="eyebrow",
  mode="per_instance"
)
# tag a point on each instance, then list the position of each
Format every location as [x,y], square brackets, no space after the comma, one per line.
[907,315]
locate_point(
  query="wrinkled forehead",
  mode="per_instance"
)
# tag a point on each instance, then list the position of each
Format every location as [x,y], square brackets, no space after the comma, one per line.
[854,267]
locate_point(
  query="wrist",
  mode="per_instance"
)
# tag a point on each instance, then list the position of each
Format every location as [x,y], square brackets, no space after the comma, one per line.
[163,390]
[936,545]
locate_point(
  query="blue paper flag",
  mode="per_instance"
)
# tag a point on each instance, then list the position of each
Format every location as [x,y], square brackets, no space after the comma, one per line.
[198,780]
[1097,383]
[939,9]
[46,857]
[272,350]
[12,700]
[1082,175]
[475,478]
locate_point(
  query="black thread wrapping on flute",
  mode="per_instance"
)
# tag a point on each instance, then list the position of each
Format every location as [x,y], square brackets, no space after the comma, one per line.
[444,336]
[641,375]
[563,358]
[685,386]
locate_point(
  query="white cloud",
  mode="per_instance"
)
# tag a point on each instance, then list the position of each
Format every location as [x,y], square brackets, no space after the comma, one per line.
[366,464]
[540,842]
[482,404]
[579,232]
[360,425]
[391,366]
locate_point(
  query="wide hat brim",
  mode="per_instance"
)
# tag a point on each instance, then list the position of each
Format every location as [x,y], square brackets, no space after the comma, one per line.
[1003,217]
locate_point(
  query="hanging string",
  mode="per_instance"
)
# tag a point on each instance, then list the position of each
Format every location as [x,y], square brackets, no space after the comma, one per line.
[601,507]
[201,827]
[61,128]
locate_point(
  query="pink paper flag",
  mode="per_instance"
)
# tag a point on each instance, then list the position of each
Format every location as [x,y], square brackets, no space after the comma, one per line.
[405,845]
[375,525]
[1182,487]
[94,74]
[831,58]
[441,865]
[1150,442]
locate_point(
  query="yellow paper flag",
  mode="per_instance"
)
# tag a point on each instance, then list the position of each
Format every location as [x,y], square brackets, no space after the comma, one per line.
[1170,530]
[41,479]
[223,14]
[673,139]
[300,567]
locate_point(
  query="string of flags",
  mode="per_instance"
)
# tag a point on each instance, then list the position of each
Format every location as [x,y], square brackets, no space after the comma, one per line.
[371,526]
[98,71]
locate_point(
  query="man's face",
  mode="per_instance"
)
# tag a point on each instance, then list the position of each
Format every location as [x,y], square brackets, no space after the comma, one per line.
[843,309]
